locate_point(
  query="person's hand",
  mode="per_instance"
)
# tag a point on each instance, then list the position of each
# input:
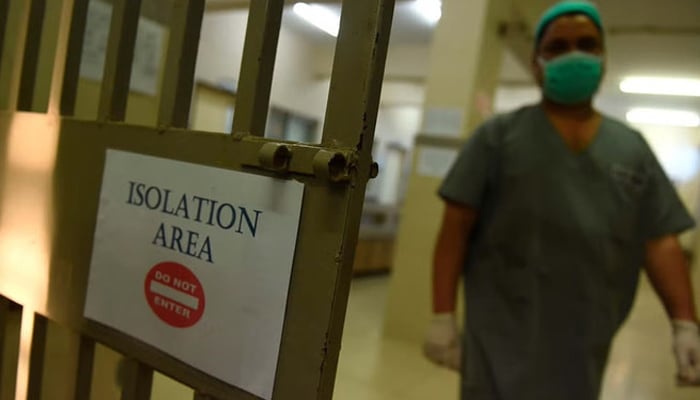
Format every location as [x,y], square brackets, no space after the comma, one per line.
[443,345]
[686,346]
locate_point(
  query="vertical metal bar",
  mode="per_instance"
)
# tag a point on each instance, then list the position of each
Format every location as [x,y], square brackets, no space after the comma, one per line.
[11,59]
[257,67]
[4,322]
[30,61]
[351,116]
[86,360]
[37,357]
[11,327]
[319,296]
[358,72]
[138,381]
[4,11]
[118,60]
[71,72]
[178,78]
[10,321]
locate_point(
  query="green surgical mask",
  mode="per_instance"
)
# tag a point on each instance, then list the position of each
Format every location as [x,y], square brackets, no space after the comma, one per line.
[572,78]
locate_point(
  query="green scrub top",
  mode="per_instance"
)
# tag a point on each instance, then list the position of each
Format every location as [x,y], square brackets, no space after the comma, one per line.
[554,259]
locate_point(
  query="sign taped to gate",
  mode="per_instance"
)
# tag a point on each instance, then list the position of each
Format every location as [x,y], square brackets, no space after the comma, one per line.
[196,261]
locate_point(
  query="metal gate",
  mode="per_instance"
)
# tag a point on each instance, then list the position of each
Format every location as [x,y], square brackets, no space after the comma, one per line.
[51,168]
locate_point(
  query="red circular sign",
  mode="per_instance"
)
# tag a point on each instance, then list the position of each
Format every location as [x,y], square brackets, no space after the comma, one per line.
[175,294]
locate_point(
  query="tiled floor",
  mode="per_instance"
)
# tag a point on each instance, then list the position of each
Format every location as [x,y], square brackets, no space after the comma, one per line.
[374,369]
[371,368]
[641,366]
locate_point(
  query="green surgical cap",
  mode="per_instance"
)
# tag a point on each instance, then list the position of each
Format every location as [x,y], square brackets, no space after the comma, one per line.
[568,7]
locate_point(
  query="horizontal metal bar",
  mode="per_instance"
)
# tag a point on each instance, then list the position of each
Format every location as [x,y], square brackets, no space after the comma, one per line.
[291,160]
[201,396]
[166,364]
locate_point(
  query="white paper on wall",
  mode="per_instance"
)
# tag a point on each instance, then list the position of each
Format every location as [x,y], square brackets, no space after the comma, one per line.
[443,121]
[435,161]
[147,52]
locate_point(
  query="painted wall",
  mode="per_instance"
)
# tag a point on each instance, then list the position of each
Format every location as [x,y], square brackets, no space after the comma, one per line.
[397,126]
[678,151]
[294,86]
[404,61]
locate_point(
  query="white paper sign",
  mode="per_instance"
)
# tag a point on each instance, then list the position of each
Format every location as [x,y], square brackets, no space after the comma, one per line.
[196,261]
[148,50]
[435,161]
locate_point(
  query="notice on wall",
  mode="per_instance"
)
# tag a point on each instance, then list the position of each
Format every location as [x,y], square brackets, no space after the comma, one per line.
[147,57]
[435,161]
[196,261]
[92,60]
[148,51]
[443,121]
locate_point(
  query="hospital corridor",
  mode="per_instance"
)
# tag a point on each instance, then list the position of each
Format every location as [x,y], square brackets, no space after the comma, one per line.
[376,368]
[349,200]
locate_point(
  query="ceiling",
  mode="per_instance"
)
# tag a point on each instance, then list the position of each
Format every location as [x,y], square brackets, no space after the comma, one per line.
[408,26]
[644,37]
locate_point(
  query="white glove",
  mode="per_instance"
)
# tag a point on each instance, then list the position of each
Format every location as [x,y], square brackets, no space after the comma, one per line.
[686,346]
[443,344]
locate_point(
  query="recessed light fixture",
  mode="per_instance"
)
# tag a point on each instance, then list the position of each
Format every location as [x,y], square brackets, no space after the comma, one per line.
[430,10]
[655,116]
[662,86]
[319,16]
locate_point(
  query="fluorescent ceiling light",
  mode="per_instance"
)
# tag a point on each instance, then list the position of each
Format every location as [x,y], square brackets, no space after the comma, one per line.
[654,116]
[430,10]
[664,86]
[319,16]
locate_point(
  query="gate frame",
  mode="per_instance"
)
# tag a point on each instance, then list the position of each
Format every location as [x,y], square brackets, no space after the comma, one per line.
[335,174]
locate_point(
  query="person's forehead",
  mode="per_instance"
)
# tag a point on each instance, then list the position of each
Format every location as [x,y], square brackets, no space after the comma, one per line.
[571,25]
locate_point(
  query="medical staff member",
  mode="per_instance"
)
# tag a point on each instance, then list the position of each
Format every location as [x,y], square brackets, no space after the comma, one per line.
[550,212]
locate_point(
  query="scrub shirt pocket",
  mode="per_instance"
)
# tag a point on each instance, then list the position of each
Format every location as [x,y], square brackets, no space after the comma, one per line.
[627,188]
[514,277]
[626,191]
